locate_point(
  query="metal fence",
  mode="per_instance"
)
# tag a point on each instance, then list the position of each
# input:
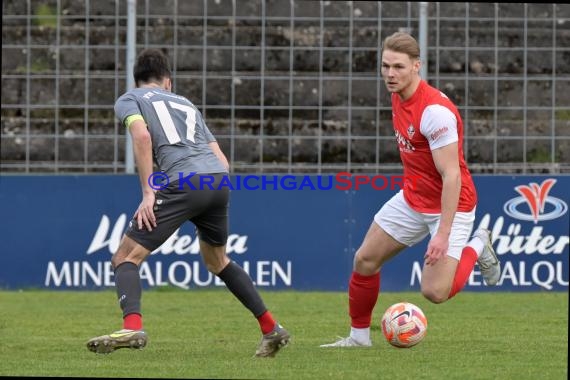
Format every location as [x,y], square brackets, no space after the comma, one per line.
[286,86]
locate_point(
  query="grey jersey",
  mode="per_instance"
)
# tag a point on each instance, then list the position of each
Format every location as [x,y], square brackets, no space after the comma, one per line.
[179,134]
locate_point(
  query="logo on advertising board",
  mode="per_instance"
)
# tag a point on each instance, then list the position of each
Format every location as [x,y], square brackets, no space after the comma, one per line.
[532,254]
[167,268]
[536,197]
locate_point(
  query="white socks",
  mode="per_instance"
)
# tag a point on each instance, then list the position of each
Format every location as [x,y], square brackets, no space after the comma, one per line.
[361,336]
[477,244]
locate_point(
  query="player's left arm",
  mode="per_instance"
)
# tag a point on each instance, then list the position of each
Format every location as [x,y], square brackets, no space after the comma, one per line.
[218,152]
[446,161]
[215,146]
[439,126]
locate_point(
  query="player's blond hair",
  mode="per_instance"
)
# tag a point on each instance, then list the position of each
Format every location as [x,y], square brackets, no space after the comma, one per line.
[401,42]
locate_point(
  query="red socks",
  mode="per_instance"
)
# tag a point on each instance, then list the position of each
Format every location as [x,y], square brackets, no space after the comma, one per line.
[464,268]
[266,322]
[132,322]
[362,297]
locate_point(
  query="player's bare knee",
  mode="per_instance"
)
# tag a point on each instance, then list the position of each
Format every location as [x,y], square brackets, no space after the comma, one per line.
[118,258]
[215,257]
[214,268]
[135,256]
[364,264]
[435,295]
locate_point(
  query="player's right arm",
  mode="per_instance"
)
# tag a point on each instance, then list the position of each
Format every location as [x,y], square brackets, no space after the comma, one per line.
[128,112]
[142,148]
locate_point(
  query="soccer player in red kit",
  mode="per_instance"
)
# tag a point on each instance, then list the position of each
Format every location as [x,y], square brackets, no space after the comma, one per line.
[441,203]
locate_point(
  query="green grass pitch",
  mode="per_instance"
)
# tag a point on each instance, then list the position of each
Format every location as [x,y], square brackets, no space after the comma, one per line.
[208,334]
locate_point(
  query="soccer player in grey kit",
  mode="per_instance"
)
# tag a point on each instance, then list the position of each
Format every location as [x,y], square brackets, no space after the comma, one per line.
[169,129]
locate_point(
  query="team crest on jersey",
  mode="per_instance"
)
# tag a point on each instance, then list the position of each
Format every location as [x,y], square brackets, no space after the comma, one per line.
[411,131]
[404,144]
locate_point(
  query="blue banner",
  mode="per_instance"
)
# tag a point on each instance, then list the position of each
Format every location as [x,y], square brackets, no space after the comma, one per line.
[288,232]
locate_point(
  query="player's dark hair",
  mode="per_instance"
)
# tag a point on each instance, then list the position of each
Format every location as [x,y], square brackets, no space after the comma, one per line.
[401,42]
[151,66]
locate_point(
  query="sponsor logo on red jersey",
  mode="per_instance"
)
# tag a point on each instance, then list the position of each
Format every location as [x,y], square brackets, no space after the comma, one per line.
[434,136]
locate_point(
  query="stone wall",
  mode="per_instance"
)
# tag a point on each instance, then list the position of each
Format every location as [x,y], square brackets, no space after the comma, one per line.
[86,92]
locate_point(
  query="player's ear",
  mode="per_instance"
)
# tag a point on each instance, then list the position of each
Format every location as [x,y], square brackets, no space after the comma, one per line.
[417,65]
[168,84]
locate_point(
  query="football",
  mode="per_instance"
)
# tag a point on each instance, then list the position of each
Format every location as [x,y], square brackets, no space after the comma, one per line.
[404,325]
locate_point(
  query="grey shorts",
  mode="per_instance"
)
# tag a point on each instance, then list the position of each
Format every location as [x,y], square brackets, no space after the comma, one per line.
[206,208]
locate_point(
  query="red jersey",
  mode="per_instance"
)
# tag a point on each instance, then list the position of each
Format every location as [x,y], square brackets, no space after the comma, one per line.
[426,121]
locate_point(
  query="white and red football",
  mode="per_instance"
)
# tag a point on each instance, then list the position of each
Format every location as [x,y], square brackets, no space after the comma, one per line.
[404,325]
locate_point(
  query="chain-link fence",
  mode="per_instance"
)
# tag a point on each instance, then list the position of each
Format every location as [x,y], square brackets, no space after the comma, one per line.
[286,86]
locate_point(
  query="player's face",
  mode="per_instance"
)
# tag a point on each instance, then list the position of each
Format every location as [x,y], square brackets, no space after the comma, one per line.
[400,72]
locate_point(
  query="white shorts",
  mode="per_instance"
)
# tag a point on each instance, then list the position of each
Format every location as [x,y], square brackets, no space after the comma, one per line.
[410,227]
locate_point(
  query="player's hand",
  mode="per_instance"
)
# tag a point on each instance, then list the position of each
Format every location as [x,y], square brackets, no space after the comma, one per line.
[145,212]
[437,248]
